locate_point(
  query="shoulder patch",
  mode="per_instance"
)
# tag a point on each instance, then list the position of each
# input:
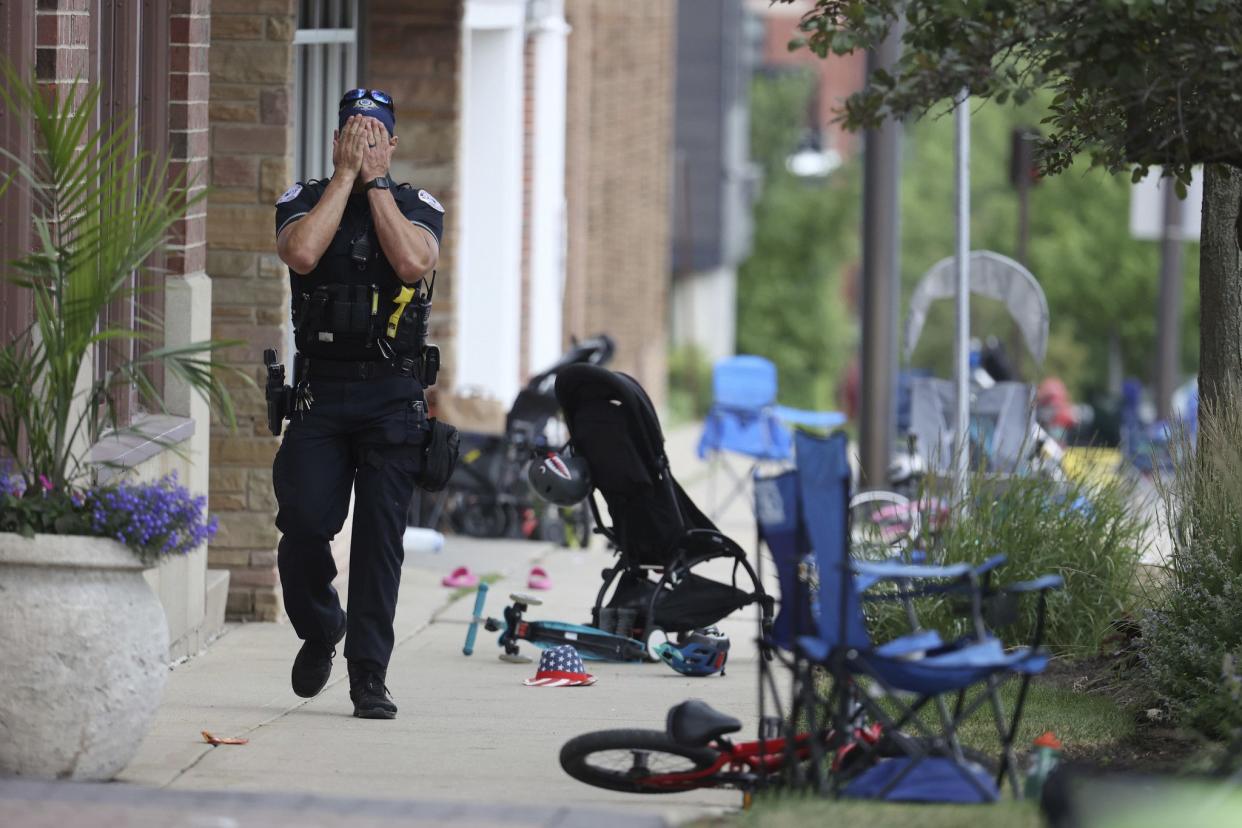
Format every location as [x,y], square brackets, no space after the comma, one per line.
[290,194]
[428,198]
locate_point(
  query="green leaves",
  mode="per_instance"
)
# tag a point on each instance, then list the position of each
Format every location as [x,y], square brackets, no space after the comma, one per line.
[790,305]
[1140,81]
[1194,624]
[100,210]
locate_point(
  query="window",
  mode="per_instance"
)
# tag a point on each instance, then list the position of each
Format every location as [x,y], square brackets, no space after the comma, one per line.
[17,42]
[326,45]
[132,69]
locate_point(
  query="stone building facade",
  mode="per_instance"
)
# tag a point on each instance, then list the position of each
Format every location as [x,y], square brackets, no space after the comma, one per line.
[413,51]
[251,165]
[619,163]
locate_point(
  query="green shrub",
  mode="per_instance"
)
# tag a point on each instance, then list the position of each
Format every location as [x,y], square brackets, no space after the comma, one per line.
[1196,619]
[1089,533]
[689,383]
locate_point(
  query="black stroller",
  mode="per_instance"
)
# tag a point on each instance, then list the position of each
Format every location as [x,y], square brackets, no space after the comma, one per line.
[659,534]
[488,496]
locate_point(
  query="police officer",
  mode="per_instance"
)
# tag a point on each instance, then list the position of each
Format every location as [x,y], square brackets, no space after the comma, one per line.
[355,244]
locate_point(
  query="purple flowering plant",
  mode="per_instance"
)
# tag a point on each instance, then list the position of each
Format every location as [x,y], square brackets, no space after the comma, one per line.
[153,519]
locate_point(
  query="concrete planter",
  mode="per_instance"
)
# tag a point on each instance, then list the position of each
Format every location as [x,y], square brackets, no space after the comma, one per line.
[83,656]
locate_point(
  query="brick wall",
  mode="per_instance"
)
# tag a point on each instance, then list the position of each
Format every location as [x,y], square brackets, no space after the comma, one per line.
[413,52]
[67,50]
[619,148]
[251,71]
[62,42]
[189,39]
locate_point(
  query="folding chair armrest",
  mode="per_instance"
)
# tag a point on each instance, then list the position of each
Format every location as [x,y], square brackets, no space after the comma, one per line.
[1041,584]
[813,419]
[891,570]
[897,569]
[990,564]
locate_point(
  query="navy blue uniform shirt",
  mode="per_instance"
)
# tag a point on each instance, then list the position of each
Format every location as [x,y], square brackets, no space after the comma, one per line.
[336,265]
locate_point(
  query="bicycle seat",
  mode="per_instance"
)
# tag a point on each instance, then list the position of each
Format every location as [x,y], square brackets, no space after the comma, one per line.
[695,723]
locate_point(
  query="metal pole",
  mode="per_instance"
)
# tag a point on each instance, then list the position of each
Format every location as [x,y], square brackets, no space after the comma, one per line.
[962,255]
[1024,160]
[1169,311]
[881,280]
[1024,206]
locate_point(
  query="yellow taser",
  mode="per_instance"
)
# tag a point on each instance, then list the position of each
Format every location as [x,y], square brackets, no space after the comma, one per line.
[403,298]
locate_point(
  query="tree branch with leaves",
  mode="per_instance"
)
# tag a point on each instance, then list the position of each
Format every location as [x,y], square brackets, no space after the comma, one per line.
[1135,83]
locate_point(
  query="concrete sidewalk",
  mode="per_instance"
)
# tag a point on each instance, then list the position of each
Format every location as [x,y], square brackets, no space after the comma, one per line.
[469,731]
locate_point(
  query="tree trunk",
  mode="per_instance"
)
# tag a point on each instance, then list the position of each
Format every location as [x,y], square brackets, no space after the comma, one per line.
[1220,287]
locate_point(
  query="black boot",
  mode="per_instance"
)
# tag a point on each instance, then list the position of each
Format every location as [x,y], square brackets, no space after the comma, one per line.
[313,665]
[368,693]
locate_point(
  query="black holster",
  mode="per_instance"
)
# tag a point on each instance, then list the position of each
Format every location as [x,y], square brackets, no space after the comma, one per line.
[439,455]
[412,355]
[277,391]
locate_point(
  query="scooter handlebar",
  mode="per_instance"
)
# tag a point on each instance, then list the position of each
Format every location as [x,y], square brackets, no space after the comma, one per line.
[480,598]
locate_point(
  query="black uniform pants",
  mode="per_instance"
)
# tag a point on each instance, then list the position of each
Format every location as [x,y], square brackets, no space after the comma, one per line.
[368,435]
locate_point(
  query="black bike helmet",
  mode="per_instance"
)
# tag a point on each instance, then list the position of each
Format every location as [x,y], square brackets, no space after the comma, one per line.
[560,480]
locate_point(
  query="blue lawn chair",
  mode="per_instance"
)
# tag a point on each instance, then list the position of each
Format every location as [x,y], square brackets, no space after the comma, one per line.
[920,665]
[745,419]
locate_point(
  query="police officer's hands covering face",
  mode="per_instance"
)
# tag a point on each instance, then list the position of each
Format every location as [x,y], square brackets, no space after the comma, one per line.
[377,154]
[348,147]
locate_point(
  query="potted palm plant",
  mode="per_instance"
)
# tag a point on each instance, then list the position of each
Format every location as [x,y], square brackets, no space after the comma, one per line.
[83,640]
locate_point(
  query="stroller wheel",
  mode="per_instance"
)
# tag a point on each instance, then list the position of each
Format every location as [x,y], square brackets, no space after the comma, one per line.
[654,639]
[516,659]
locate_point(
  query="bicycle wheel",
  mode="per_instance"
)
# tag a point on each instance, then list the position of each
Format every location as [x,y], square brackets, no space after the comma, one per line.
[479,518]
[635,761]
[882,525]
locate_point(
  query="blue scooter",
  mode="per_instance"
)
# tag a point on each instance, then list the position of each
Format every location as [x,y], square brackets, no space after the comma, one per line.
[592,643]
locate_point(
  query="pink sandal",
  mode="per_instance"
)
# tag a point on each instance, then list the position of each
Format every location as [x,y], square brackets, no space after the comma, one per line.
[460,577]
[538,579]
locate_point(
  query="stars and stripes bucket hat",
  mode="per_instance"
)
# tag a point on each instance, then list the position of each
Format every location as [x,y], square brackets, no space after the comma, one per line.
[560,666]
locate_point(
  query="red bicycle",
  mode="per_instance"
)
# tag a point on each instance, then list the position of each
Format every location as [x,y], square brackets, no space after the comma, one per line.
[693,752]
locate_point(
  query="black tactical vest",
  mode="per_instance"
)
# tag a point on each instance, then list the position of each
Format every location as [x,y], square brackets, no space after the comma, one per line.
[340,308]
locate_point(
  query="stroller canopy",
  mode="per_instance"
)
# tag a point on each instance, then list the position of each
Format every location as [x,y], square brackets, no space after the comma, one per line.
[991,275]
[614,427]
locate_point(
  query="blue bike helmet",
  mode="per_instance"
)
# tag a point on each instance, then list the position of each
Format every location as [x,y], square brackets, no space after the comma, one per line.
[698,653]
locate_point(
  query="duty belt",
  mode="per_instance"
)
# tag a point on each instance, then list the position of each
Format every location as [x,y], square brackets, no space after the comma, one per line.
[367,369]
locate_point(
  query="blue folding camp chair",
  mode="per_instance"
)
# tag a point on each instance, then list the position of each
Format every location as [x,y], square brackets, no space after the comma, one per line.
[931,764]
[779,522]
[745,419]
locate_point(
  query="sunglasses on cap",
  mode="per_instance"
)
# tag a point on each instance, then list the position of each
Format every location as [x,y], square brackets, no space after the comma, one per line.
[382,98]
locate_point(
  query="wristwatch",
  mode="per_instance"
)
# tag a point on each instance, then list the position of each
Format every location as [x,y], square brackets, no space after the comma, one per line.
[381,183]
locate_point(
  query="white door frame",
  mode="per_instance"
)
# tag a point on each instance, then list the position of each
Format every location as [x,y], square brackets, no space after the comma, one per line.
[488,287]
[550,33]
